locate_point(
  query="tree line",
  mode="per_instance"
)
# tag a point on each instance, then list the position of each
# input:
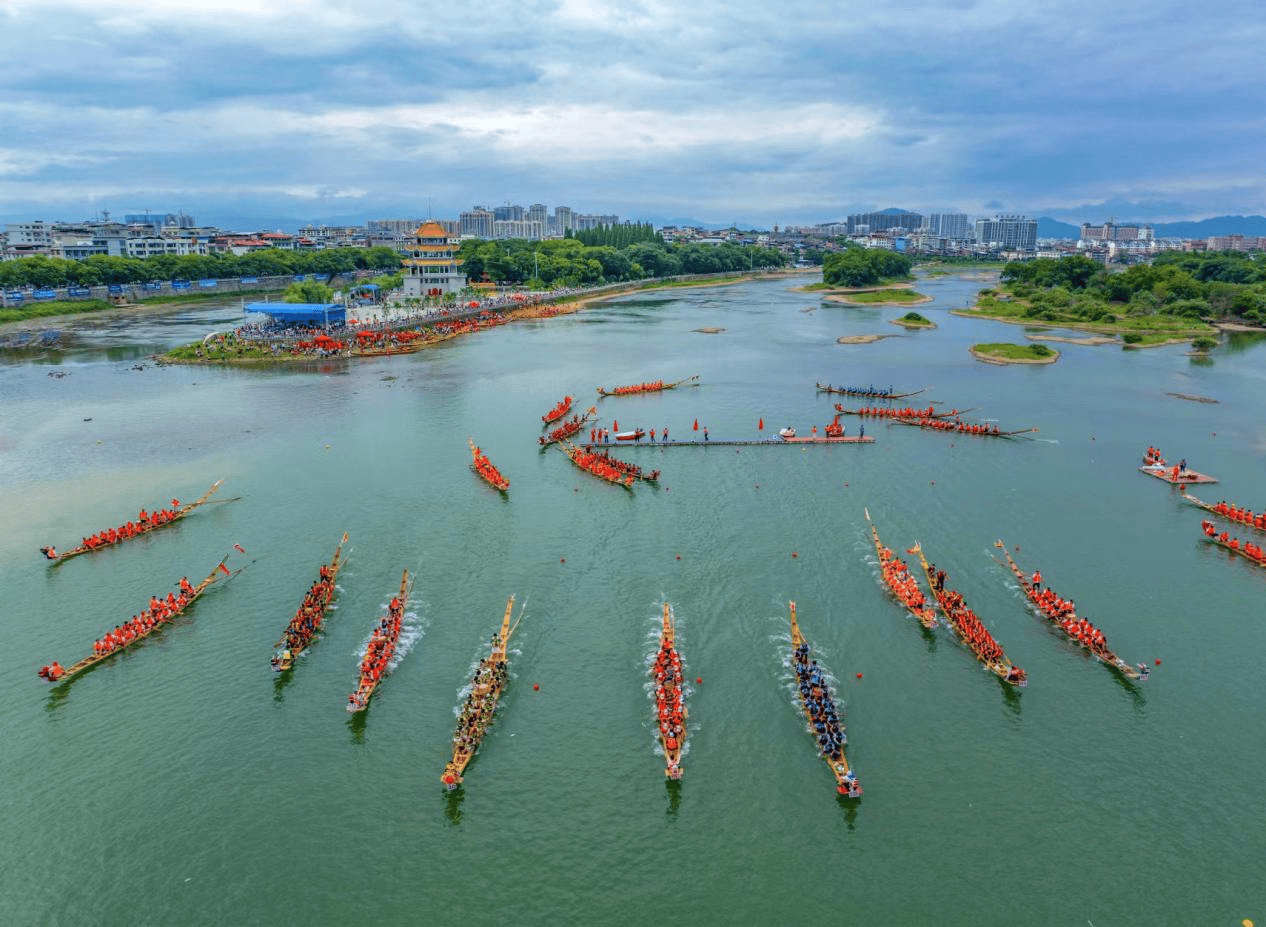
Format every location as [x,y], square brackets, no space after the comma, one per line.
[1193,285]
[99,270]
[616,236]
[570,262]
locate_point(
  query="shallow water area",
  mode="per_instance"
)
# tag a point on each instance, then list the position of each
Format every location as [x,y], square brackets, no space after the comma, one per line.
[184,781]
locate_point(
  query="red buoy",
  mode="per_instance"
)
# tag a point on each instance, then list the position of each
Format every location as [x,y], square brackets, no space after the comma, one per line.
[794,554]
[679,556]
[699,680]
[761,424]
[536,687]
[615,424]
[859,675]
[1158,662]
[696,424]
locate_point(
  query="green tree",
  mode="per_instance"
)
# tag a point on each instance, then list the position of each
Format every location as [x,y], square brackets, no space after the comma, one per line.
[308,291]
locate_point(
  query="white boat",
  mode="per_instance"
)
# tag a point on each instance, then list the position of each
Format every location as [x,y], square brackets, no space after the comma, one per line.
[787,432]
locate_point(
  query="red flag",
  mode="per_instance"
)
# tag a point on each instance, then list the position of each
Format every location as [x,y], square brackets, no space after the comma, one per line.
[239,548]
[696,424]
[224,569]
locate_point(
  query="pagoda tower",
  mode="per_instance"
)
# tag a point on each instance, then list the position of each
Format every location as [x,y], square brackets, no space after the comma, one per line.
[432,268]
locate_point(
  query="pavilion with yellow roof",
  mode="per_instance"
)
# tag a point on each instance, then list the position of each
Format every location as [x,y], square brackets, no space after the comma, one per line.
[432,269]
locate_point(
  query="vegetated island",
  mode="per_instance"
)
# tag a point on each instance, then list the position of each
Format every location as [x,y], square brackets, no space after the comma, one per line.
[1179,297]
[913,320]
[897,295]
[857,270]
[862,339]
[1003,353]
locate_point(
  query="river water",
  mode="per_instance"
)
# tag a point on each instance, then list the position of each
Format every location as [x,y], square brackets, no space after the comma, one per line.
[184,782]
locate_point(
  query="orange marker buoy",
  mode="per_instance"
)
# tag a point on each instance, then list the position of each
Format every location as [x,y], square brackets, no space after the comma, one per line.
[536,687]
[859,675]
[1158,662]
[761,424]
[696,425]
[699,680]
[615,424]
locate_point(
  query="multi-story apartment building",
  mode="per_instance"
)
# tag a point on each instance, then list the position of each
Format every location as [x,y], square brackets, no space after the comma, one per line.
[148,246]
[539,212]
[518,228]
[1235,243]
[1011,233]
[1110,231]
[951,225]
[159,221]
[862,223]
[564,219]
[477,222]
[583,222]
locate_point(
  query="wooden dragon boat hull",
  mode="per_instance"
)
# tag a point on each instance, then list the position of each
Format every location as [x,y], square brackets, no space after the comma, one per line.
[573,454]
[547,440]
[1108,658]
[359,699]
[1003,668]
[493,478]
[559,411]
[1212,510]
[637,391]
[845,779]
[956,431]
[284,657]
[90,661]
[463,754]
[181,513]
[865,394]
[1239,551]
[673,750]
[925,616]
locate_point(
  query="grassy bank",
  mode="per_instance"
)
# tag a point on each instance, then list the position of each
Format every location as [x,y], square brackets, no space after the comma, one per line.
[52,308]
[1021,311]
[887,296]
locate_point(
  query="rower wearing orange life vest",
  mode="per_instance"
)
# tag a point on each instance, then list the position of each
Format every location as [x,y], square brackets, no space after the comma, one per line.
[1037,579]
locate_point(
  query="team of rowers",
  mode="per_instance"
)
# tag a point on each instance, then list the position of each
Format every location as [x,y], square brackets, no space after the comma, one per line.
[904,586]
[954,425]
[651,387]
[868,392]
[815,695]
[378,654]
[483,466]
[882,412]
[554,414]
[973,633]
[159,611]
[307,620]
[1243,516]
[600,466]
[1247,548]
[145,521]
[670,705]
[625,467]
[1064,613]
[481,703]
[563,431]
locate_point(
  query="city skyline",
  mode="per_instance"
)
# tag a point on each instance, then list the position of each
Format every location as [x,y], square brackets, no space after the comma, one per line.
[716,113]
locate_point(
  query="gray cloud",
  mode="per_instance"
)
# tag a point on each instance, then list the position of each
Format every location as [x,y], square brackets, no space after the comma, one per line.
[722,110]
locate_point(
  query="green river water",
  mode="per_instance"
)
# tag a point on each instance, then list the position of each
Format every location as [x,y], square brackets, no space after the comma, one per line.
[185,783]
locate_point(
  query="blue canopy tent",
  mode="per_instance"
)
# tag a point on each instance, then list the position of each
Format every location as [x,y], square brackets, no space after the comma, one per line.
[302,313]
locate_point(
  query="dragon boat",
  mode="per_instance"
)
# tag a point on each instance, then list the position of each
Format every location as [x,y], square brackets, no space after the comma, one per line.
[1063,615]
[819,709]
[306,623]
[1246,549]
[886,412]
[478,712]
[962,428]
[632,469]
[654,386]
[899,581]
[670,698]
[483,466]
[1229,511]
[567,429]
[868,392]
[554,414]
[139,528]
[969,628]
[597,465]
[381,648]
[134,631]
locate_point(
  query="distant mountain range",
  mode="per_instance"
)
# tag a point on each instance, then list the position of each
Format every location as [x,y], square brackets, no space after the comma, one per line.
[1218,225]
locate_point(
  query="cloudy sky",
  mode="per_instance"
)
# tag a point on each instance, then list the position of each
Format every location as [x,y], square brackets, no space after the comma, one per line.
[751,110]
